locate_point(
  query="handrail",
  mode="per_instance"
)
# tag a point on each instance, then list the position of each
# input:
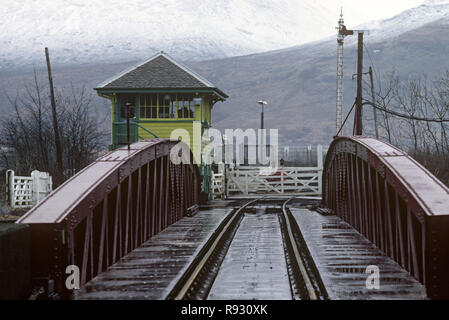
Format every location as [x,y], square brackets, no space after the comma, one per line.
[145,129]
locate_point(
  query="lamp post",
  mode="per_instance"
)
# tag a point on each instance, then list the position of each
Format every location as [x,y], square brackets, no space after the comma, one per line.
[262,103]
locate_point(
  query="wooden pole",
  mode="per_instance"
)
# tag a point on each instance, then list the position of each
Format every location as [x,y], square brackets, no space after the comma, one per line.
[59,165]
[374,102]
[358,125]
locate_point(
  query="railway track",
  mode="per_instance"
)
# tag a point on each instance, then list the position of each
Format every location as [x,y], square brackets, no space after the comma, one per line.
[257,252]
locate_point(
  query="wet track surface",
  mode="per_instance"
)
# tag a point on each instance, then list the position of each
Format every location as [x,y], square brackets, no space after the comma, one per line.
[254,267]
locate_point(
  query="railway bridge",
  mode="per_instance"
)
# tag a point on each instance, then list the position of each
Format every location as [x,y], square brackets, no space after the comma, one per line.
[133,224]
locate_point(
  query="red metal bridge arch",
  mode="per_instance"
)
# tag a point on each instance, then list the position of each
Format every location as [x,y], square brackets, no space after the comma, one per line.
[109,208]
[395,202]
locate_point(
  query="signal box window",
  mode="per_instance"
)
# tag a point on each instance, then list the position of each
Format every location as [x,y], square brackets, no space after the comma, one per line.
[148,106]
[186,108]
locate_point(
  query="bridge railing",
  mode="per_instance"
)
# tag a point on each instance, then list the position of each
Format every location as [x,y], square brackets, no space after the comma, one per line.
[108,209]
[395,202]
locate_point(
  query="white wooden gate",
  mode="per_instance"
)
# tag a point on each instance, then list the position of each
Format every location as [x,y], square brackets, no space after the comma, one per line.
[218,185]
[283,181]
[25,192]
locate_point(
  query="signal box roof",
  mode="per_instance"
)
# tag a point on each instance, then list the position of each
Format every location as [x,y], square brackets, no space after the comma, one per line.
[159,72]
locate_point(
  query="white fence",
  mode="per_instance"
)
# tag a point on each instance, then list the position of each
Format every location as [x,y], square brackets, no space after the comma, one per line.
[25,192]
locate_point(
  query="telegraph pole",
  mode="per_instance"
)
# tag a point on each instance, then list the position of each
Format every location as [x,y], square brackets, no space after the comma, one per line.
[358,125]
[59,166]
[374,101]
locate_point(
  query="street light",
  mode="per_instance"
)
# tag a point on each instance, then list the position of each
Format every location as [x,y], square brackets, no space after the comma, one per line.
[262,103]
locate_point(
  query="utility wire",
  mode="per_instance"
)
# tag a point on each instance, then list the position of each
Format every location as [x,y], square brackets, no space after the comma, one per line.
[401,115]
[372,63]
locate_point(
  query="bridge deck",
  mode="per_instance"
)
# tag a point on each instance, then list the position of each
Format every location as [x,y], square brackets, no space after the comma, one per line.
[148,271]
[342,255]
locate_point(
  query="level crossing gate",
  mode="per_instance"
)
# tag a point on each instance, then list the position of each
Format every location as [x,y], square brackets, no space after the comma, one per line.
[23,192]
[255,181]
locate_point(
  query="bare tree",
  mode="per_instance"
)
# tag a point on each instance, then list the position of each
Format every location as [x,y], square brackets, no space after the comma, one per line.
[384,99]
[81,135]
[416,99]
[27,137]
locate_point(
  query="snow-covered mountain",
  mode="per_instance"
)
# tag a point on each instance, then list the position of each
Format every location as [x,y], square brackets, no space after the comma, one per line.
[95,31]
[414,18]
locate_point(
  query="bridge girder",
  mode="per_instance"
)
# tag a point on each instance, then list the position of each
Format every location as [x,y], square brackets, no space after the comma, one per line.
[109,208]
[395,202]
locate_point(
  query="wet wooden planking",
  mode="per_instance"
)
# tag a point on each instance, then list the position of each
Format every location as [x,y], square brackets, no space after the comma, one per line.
[342,255]
[149,271]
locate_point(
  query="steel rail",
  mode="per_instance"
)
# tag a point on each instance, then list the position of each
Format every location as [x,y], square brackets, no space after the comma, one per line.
[307,281]
[195,272]
[188,283]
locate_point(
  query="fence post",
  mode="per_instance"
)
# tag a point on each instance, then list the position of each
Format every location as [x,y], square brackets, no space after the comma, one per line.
[50,182]
[319,154]
[10,187]
[241,155]
[282,179]
[35,186]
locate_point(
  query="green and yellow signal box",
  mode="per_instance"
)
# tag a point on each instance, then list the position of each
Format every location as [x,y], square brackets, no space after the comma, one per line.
[164,96]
